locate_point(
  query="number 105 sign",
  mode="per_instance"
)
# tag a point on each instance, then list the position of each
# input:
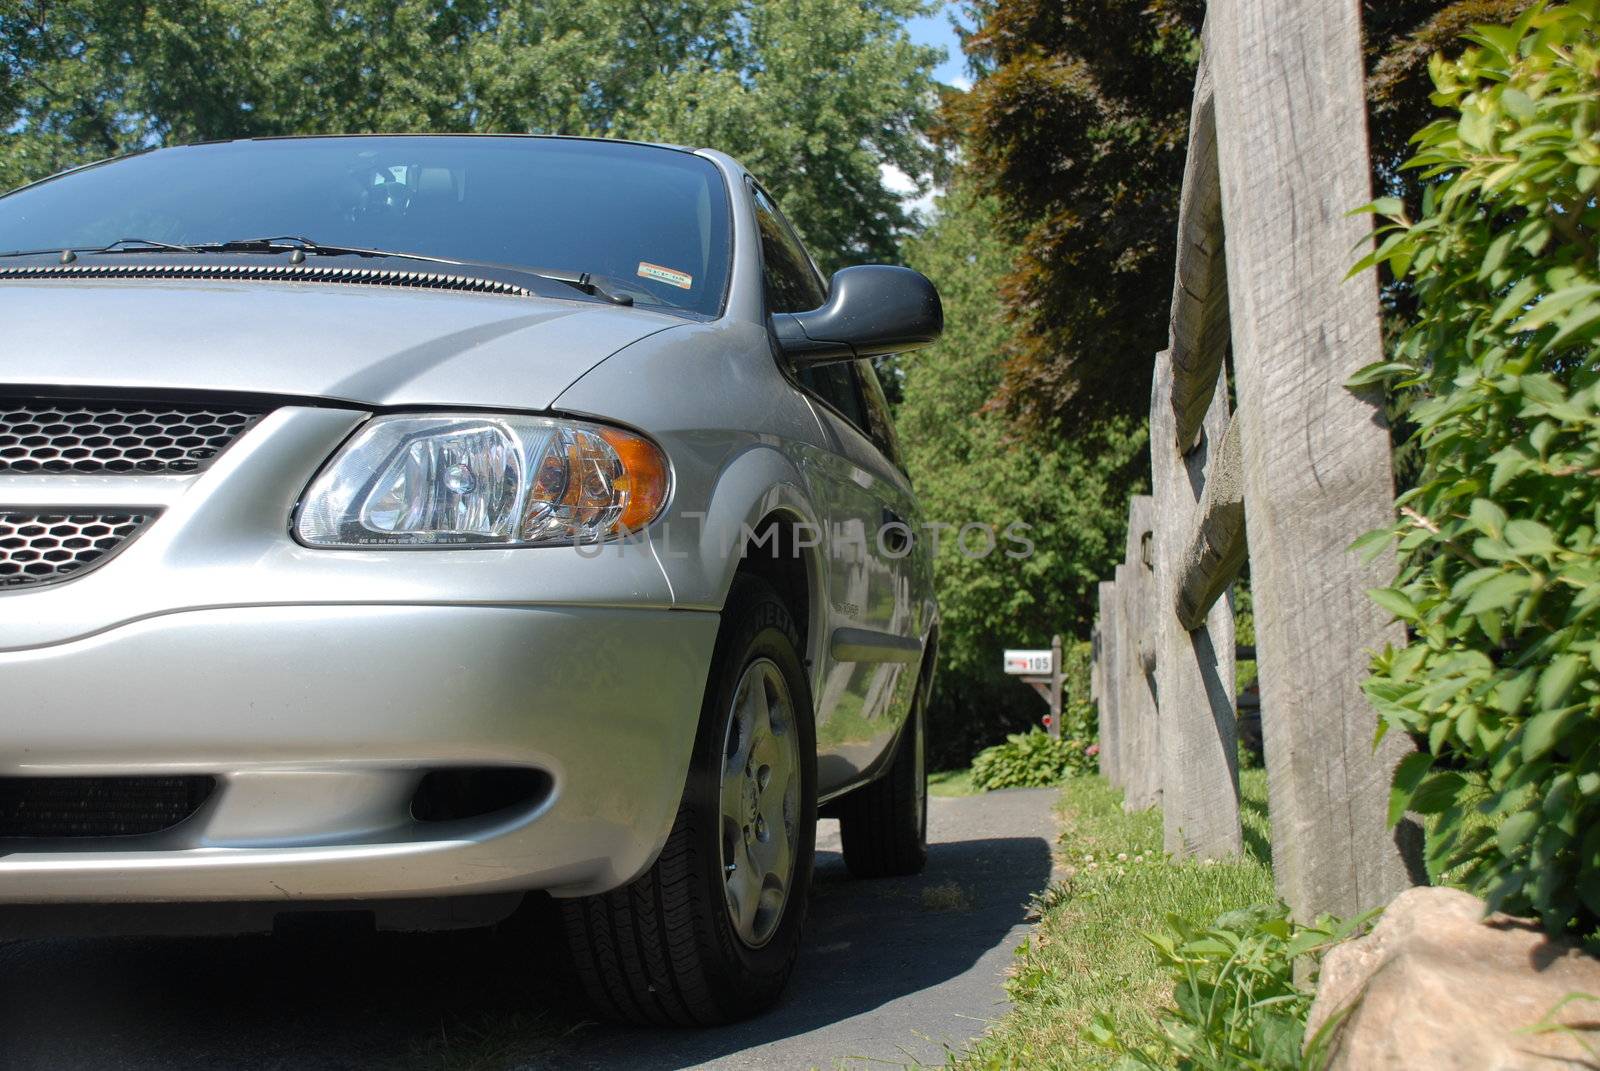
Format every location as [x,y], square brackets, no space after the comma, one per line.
[1029,663]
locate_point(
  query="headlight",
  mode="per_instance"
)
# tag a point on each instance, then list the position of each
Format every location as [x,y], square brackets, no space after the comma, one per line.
[480,479]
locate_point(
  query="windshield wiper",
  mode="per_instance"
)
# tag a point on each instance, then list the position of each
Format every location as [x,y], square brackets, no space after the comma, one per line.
[293,243]
[121,245]
[299,248]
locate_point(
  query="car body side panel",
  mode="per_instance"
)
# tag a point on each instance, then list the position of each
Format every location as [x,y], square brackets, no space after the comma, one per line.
[870,590]
[690,385]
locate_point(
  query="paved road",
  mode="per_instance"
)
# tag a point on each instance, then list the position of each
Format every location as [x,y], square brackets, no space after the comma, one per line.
[892,972]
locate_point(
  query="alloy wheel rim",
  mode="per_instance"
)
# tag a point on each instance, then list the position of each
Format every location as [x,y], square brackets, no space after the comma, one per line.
[760,801]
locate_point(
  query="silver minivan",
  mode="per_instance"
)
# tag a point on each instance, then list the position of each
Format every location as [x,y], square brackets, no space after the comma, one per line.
[406,523]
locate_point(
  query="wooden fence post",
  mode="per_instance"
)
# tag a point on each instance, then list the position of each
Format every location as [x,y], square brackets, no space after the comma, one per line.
[1194,670]
[1095,664]
[1055,690]
[1140,724]
[1127,666]
[1110,676]
[1293,160]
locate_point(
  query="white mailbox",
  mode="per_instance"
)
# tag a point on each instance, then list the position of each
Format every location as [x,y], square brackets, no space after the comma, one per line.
[1029,663]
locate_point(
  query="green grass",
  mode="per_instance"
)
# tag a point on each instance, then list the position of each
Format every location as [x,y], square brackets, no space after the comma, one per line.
[1087,954]
[951,783]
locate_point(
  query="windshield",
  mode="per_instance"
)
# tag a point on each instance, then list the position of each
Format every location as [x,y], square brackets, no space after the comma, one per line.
[653,219]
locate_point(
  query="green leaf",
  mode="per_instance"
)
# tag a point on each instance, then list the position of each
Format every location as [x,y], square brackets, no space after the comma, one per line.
[1544,730]
[1529,537]
[1407,776]
[1556,305]
[1373,543]
[1557,680]
[1509,695]
[1509,463]
[1543,389]
[1389,207]
[1575,324]
[1518,104]
[1436,794]
[1498,593]
[1515,301]
[1395,601]
[1516,831]
[1377,372]
[1496,255]
[1487,517]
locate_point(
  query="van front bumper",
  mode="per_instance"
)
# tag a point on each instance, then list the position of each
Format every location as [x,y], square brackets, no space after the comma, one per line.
[318,724]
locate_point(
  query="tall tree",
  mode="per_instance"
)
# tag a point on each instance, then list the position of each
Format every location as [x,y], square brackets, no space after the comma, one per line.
[1077,126]
[970,467]
[815,95]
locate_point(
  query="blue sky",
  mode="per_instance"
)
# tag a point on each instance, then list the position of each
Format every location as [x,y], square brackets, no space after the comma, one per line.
[935,30]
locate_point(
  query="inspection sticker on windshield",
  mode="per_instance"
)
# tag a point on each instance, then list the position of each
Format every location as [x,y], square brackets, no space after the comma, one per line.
[680,279]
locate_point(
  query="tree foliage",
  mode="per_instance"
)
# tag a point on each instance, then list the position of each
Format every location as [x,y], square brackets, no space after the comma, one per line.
[1078,127]
[971,467]
[1500,558]
[1401,37]
[814,95]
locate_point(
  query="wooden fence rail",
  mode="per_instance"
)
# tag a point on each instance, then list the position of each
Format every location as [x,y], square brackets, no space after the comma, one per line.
[1277,158]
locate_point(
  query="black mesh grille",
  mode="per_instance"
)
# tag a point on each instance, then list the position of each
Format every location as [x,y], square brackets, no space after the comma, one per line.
[40,548]
[67,436]
[97,806]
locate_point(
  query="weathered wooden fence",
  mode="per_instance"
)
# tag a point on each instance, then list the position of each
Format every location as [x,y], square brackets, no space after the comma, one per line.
[1277,158]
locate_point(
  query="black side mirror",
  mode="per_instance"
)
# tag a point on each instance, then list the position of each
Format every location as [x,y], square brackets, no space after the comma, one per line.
[873,310]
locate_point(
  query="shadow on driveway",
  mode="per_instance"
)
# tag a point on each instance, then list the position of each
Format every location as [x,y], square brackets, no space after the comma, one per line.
[891,970]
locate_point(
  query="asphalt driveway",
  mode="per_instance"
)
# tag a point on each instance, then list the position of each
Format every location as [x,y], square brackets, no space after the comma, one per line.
[893,972]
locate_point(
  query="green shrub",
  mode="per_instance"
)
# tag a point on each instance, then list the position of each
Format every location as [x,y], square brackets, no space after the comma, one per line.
[1031,760]
[1499,579]
[1237,1004]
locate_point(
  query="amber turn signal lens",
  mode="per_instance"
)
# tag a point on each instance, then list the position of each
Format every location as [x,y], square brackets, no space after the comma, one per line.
[644,478]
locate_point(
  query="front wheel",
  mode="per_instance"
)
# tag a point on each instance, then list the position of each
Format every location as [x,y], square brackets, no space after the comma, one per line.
[709,934]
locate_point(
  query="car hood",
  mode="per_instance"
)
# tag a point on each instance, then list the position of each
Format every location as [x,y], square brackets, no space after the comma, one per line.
[374,345]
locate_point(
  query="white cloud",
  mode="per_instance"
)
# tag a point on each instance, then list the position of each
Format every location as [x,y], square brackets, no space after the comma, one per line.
[896,181]
[901,184]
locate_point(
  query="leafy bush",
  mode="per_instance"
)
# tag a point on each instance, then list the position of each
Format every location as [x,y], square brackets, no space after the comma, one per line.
[1031,760]
[1499,577]
[1237,1002]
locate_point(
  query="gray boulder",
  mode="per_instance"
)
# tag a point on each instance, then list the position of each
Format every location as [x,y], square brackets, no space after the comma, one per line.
[1436,986]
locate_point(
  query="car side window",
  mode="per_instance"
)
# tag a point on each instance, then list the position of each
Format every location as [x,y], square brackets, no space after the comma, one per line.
[836,384]
[791,281]
[880,424]
[793,286]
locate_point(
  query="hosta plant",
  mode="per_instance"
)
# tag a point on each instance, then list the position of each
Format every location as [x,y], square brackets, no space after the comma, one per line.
[1030,760]
[1499,580]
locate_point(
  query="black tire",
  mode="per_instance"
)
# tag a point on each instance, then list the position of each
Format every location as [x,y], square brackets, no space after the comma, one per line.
[884,825]
[664,949]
